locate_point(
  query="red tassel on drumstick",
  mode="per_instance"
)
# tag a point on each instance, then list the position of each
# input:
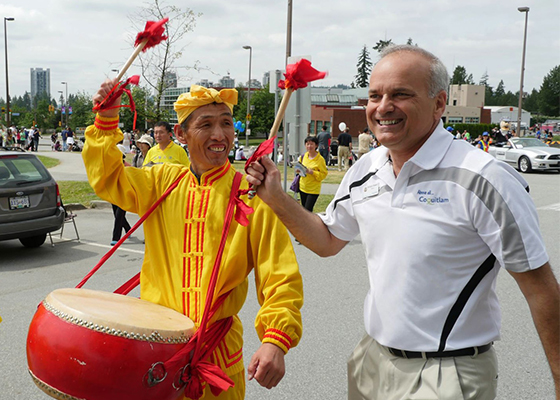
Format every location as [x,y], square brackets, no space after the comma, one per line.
[298,75]
[152,35]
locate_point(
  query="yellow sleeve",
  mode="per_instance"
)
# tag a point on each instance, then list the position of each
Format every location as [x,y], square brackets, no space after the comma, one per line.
[132,189]
[148,157]
[182,156]
[278,281]
[320,171]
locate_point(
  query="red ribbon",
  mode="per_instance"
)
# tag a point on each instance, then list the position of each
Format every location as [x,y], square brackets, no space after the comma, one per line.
[264,149]
[153,32]
[298,75]
[115,93]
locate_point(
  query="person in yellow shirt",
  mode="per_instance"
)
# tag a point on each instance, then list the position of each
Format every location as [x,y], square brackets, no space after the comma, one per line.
[310,184]
[166,151]
[183,235]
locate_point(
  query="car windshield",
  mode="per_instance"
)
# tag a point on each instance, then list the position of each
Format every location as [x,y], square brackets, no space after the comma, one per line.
[18,171]
[528,142]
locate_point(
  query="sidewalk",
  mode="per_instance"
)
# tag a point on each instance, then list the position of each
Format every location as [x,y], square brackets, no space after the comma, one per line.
[71,167]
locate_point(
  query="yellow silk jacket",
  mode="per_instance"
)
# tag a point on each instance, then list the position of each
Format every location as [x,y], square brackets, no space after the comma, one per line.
[182,239]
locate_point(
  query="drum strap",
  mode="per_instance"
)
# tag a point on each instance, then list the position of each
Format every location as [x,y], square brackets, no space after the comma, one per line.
[128,285]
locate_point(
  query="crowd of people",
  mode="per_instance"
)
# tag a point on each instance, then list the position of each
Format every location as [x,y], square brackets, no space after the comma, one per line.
[27,139]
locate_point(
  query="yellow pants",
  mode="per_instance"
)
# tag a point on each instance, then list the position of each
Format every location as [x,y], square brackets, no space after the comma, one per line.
[237,392]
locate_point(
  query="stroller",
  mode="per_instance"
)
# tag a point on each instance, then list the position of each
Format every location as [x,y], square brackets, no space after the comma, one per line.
[333,160]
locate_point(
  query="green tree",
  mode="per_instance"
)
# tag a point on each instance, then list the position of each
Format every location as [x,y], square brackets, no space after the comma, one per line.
[82,115]
[549,97]
[364,68]
[488,90]
[499,94]
[158,64]
[381,44]
[263,114]
[531,102]
[460,76]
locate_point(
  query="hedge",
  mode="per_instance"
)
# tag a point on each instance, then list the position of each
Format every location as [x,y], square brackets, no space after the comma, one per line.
[473,129]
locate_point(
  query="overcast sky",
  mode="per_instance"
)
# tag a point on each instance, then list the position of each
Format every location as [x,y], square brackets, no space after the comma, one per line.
[82,40]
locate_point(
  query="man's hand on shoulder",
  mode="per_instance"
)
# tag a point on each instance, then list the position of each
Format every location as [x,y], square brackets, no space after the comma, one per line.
[267,365]
[103,91]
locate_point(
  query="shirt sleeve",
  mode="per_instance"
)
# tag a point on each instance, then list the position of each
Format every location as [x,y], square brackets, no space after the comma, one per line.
[132,189]
[278,281]
[507,221]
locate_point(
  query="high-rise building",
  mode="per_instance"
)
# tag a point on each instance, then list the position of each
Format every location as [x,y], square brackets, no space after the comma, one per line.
[227,82]
[40,82]
[170,79]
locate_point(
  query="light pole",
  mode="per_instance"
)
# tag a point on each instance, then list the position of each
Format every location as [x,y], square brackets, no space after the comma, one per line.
[526,11]
[7,84]
[247,118]
[66,101]
[61,105]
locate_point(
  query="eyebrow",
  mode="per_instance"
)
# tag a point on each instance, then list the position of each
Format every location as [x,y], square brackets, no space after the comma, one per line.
[225,114]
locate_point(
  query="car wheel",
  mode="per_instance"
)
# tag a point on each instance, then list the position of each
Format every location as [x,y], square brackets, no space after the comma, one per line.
[525,164]
[33,241]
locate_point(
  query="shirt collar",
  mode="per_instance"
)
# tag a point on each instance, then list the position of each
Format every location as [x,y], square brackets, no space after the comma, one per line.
[433,150]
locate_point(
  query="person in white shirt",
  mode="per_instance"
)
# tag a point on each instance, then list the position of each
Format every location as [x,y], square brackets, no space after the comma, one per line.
[438,219]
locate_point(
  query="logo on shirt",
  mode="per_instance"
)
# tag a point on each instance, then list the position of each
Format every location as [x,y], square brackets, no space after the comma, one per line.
[430,198]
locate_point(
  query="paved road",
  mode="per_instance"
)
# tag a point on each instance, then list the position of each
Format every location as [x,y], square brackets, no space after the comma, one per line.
[335,288]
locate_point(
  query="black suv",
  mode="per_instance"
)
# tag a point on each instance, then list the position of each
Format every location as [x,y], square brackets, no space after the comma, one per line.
[30,205]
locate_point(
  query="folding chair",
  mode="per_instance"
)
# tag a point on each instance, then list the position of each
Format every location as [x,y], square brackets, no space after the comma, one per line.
[70,218]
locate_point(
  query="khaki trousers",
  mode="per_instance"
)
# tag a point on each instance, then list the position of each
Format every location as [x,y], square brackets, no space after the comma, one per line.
[375,374]
[343,154]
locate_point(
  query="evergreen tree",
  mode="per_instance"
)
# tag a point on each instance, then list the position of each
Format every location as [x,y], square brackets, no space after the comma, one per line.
[381,44]
[460,76]
[364,68]
[549,97]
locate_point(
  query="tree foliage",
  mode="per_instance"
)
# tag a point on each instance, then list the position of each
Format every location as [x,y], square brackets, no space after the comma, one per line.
[460,76]
[381,44]
[549,97]
[364,68]
[159,63]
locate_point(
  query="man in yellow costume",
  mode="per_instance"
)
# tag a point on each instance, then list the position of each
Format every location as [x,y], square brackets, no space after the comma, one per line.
[183,234]
[166,151]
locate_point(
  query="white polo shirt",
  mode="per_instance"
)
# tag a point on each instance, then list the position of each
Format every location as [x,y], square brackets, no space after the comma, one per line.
[434,239]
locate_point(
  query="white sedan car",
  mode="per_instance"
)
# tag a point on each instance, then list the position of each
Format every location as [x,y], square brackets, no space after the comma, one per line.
[528,154]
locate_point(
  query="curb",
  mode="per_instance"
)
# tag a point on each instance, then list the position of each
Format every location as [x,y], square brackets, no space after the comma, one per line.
[100,204]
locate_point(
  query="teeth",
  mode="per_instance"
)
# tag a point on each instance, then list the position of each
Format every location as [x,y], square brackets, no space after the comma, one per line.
[389,122]
[217,148]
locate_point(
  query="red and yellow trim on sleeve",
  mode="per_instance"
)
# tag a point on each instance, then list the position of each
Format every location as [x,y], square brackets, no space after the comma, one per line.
[106,124]
[278,338]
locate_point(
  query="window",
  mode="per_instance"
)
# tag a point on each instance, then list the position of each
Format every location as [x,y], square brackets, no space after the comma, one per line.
[471,120]
[454,102]
[455,120]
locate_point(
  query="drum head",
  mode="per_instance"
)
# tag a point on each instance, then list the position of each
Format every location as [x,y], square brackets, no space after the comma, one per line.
[121,313]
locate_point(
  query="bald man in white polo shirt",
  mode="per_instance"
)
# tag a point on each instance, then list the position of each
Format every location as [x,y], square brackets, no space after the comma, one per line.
[438,219]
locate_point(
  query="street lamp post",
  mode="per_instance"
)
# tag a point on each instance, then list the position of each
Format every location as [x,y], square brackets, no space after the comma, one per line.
[247,118]
[7,84]
[526,11]
[66,101]
[61,105]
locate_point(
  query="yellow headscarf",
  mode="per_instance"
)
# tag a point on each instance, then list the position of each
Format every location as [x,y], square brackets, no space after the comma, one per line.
[200,96]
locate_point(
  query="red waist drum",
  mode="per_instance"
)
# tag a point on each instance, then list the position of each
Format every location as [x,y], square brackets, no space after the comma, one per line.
[87,344]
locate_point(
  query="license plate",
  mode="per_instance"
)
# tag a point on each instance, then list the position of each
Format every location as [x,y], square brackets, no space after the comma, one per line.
[19,202]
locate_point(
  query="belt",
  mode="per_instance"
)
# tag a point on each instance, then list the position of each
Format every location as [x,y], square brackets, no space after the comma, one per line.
[469,351]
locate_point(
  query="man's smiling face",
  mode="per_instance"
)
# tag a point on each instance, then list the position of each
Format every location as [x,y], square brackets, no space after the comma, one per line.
[209,137]
[400,111]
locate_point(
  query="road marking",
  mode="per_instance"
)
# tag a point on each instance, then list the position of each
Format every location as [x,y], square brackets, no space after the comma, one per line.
[552,207]
[105,246]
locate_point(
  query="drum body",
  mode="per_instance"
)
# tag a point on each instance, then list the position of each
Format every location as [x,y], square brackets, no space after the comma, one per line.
[85,344]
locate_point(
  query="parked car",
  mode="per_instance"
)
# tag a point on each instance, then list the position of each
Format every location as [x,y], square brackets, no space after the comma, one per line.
[528,154]
[30,204]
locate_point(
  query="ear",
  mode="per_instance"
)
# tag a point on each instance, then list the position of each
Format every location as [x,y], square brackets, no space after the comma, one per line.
[441,101]
[179,134]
